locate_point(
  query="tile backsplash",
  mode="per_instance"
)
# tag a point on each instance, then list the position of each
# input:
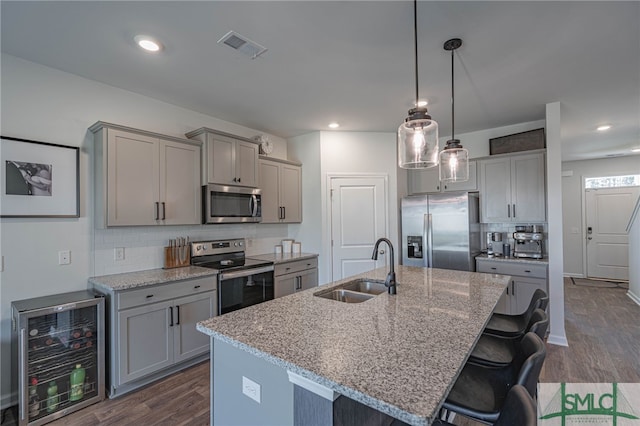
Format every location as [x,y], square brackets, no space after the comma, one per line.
[144,246]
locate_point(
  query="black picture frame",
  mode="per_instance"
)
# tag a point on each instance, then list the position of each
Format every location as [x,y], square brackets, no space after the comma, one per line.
[38,179]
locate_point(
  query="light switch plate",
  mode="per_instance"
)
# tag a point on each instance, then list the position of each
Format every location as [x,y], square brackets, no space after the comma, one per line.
[251,389]
[118,253]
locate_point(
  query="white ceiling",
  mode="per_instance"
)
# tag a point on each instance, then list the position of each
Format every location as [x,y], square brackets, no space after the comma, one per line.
[352,61]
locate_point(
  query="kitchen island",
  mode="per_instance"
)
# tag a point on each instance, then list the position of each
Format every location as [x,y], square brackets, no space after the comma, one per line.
[396,354]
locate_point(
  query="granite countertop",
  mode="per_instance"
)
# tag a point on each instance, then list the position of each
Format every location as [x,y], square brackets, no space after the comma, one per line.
[543,261]
[396,353]
[282,258]
[130,280]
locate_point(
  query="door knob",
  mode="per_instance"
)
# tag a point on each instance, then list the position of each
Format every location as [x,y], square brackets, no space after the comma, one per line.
[589,238]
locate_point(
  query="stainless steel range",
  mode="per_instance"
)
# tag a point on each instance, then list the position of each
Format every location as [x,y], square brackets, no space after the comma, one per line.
[242,282]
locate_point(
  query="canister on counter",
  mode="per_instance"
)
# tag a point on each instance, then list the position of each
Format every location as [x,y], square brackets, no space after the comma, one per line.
[506,250]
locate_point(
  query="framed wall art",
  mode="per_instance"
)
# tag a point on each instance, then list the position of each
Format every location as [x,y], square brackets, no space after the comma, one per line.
[38,179]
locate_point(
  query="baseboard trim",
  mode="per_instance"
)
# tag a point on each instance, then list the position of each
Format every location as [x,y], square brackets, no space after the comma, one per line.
[557,340]
[9,400]
[633,297]
[568,275]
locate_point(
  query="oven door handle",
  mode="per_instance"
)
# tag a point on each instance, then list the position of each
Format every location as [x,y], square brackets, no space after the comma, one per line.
[245,273]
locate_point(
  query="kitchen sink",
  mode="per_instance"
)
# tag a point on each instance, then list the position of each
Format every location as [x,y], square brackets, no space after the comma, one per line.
[365,286]
[346,296]
[356,291]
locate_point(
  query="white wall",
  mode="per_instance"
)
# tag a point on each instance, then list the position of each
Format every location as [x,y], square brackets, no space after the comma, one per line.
[349,153]
[44,104]
[573,203]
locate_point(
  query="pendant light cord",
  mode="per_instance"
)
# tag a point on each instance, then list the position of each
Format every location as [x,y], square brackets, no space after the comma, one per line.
[453,120]
[415,40]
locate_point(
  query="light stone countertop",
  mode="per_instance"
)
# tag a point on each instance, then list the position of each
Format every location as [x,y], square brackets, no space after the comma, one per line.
[130,280]
[399,354]
[543,261]
[282,258]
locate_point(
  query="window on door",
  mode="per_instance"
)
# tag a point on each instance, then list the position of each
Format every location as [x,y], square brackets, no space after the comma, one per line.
[612,181]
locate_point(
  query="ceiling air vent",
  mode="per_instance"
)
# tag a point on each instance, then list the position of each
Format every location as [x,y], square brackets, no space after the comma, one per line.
[242,44]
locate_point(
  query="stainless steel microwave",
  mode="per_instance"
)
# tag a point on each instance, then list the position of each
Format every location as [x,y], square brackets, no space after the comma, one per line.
[230,204]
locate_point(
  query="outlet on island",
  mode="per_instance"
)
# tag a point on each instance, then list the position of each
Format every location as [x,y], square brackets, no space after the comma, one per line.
[251,389]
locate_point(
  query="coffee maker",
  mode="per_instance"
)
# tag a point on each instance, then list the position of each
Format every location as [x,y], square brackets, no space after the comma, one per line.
[494,249]
[528,242]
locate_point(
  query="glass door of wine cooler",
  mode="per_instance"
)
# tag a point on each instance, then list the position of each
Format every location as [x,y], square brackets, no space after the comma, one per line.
[60,352]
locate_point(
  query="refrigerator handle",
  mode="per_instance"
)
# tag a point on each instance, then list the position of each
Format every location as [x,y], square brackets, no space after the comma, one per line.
[428,237]
[23,404]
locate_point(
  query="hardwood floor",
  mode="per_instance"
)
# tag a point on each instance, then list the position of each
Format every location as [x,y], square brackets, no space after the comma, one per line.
[602,327]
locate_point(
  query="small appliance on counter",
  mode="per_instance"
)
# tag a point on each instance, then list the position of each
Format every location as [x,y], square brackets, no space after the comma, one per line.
[494,244]
[528,242]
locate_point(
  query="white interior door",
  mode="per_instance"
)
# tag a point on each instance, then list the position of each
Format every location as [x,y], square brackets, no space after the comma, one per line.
[358,219]
[607,214]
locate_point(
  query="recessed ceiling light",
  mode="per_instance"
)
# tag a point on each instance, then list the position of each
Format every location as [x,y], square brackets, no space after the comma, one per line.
[148,43]
[333,125]
[603,128]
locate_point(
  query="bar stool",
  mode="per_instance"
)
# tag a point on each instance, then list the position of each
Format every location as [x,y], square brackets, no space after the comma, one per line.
[519,409]
[515,325]
[496,351]
[480,392]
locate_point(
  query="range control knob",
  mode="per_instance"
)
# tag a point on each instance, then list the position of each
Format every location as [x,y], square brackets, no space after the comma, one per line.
[240,243]
[198,247]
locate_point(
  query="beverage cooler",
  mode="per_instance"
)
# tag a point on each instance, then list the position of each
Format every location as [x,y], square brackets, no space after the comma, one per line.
[59,343]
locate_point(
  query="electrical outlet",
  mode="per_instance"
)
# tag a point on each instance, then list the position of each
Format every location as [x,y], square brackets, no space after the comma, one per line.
[64,257]
[118,253]
[251,389]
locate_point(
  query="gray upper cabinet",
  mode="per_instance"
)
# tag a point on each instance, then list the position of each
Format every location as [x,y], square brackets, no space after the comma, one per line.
[227,159]
[281,184]
[512,189]
[143,178]
[428,180]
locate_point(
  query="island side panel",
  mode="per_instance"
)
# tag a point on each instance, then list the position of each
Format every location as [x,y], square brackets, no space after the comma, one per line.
[230,406]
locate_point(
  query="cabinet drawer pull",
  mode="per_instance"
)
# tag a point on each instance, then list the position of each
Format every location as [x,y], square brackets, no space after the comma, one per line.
[528,271]
[493,268]
[170,316]
[286,269]
[196,286]
[149,296]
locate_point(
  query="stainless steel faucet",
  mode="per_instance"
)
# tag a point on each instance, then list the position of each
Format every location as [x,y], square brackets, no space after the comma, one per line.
[390,282]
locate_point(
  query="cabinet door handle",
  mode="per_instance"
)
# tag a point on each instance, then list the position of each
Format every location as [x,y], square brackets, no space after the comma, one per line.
[508,210]
[170,316]
[178,312]
[508,290]
[164,210]
[235,179]
[284,212]
[157,210]
[513,288]
[514,210]
[239,180]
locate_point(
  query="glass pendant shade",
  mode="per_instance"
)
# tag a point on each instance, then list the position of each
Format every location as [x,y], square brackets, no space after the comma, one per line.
[454,164]
[418,143]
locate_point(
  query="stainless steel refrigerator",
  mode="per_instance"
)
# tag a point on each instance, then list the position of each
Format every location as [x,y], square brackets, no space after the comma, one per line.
[441,230]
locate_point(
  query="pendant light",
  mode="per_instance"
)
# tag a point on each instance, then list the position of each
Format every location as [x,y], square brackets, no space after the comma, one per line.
[454,159]
[418,135]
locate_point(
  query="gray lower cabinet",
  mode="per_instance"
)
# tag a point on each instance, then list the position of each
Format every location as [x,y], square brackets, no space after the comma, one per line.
[294,276]
[153,331]
[526,278]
